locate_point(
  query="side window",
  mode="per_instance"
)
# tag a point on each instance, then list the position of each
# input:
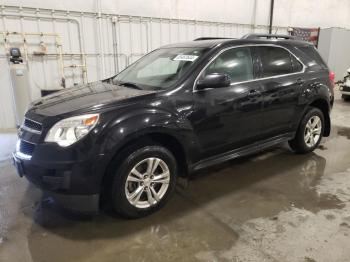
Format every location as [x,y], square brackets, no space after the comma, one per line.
[275,61]
[235,62]
[297,66]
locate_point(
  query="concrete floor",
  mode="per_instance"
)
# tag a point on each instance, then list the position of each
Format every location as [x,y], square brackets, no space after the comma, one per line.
[274,206]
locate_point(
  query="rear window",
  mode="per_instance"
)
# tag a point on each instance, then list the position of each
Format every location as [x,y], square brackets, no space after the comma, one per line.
[314,60]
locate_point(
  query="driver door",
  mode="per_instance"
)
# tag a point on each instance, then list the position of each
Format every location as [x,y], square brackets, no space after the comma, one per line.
[230,117]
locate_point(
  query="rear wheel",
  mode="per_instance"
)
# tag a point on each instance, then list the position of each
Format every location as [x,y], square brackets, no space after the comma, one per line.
[309,133]
[144,181]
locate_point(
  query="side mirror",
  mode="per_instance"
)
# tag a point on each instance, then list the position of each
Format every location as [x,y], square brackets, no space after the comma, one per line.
[215,80]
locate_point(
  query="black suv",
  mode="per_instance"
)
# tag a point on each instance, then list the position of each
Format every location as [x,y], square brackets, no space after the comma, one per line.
[180,108]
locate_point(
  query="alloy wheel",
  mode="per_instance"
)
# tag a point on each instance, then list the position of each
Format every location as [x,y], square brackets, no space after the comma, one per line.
[147,182]
[313,129]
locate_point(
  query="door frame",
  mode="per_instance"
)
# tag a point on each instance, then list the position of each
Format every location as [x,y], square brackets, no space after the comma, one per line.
[194,90]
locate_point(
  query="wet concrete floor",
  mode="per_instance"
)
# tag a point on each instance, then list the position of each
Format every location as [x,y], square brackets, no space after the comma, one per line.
[273,206]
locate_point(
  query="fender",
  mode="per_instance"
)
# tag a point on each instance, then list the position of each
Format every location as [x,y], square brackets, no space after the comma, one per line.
[134,123]
[317,95]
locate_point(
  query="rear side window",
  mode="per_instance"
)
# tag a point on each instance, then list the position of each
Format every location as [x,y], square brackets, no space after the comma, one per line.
[314,60]
[275,61]
[235,62]
[297,66]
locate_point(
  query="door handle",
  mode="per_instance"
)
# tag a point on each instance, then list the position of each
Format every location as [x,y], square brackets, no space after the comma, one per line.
[300,81]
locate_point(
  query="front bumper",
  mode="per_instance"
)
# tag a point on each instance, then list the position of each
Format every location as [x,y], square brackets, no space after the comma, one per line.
[73,184]
[345,90]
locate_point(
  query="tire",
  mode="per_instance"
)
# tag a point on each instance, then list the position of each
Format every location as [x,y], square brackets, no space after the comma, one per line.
[345,97]
[301,144]
[134,193]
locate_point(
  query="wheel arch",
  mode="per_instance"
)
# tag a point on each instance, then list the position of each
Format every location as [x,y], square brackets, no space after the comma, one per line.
[137,141]
[323,105]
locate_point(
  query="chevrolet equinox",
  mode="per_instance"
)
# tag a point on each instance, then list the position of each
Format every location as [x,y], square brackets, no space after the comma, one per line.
[180,108]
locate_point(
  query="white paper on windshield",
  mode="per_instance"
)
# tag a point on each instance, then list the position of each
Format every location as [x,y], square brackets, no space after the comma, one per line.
[190,58]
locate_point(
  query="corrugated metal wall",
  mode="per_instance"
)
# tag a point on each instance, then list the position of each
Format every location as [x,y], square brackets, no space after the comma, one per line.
[104,43]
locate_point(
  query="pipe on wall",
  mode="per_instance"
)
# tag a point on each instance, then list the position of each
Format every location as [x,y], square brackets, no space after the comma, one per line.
[271,15]
[255,8]
[100,37]
[115,44]
[51,18]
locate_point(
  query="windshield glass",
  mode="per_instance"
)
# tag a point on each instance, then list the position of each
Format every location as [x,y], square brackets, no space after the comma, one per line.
[159,69]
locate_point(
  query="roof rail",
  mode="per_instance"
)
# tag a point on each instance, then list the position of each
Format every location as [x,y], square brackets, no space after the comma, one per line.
[211,38]
[269,36]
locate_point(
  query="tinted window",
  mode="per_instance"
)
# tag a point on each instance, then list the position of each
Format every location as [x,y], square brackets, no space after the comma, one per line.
[275,61]
[297,66]
[235,62]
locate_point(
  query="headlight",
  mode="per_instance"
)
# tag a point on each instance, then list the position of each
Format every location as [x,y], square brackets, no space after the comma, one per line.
[70,130]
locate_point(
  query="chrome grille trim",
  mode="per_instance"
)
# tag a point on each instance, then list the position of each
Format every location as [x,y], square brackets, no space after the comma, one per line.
[19,148]
[32,126]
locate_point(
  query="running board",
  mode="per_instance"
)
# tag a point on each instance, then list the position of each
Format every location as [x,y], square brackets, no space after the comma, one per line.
[242,151]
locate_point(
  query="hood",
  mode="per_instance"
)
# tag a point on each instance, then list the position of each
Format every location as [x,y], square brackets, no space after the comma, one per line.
[88,97]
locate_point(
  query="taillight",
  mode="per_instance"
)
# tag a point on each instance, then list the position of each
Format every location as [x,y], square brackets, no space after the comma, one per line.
[332,77]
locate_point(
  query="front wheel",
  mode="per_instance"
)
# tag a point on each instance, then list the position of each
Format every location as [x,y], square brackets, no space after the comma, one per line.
[144,181]
[309,133]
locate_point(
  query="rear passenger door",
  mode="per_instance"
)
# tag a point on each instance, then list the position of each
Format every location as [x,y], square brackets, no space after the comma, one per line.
[281,82]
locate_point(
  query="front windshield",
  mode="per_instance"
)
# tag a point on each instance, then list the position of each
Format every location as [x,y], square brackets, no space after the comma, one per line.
[159,69]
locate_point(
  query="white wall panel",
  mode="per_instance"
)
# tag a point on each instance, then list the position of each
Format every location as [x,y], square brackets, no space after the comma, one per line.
[121,41]
[325,13]
[312,13]
[334,49]
[137,34]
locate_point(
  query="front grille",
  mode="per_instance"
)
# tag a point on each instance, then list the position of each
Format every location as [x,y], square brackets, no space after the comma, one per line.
[26,148]
[30,124]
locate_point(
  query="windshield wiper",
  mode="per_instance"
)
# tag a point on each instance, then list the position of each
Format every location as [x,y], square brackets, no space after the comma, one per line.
[129,84]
